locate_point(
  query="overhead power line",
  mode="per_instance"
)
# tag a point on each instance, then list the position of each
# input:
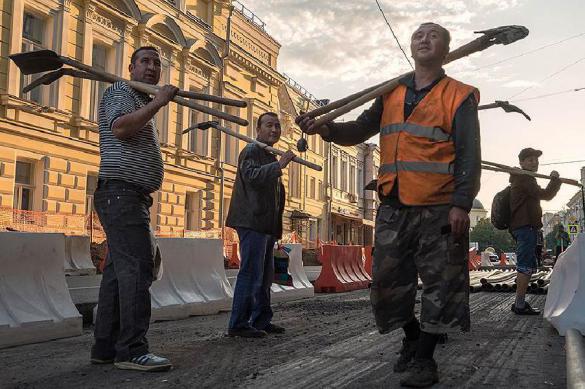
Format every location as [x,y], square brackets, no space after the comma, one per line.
[549,94]
[393,34]
[549,77]
[562,163]
[530,51]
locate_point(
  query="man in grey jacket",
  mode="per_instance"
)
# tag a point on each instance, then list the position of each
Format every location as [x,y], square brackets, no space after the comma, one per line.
[256,214]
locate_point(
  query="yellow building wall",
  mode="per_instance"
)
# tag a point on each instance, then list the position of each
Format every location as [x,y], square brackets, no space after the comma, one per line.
[61,140]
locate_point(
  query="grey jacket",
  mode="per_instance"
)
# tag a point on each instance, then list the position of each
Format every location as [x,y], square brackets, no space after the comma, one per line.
[258,198]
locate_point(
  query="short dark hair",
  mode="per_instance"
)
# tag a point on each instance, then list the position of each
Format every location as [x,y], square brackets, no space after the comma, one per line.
[444,31]
[138,50]
[259,122]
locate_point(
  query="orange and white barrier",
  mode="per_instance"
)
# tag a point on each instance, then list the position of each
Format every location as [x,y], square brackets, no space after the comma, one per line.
[342,269]
[368,259]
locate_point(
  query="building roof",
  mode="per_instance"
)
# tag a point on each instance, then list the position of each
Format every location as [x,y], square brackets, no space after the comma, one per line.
[477,204]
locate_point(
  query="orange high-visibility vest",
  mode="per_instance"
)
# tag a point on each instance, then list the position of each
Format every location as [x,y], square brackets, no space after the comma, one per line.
[420,151]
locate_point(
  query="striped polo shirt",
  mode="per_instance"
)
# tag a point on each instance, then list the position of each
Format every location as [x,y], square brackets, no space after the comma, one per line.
[136,160]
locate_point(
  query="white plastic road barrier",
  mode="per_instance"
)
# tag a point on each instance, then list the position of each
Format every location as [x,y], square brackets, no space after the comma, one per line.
[565,301]
[485,259]
[35,304]
[194,281]
[78,256]
[302,287]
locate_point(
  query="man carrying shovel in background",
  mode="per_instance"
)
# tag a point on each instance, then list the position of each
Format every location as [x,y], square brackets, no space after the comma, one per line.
[131,168]
[526,221]
[429,175]
[256,214]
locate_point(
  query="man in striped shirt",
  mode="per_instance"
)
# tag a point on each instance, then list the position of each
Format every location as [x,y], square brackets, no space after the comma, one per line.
[131,168]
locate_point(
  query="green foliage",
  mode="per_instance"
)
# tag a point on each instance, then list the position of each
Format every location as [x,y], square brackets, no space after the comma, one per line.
[489,236]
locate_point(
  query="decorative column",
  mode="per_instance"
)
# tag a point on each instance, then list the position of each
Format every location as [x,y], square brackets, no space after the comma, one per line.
[61,44]
[182,111]
[125,51]
[15,46]
[86,58]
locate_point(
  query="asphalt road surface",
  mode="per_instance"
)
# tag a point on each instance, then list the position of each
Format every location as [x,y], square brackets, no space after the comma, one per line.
[331,342]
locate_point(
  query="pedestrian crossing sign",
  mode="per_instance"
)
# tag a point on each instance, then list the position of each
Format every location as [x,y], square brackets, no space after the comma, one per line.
[573,229]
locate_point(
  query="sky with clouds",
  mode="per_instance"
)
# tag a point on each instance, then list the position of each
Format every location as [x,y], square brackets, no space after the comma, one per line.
[334,48]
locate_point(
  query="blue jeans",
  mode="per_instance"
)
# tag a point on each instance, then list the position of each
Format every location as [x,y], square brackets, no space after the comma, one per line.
[123,314]
[251,306]
[526,249]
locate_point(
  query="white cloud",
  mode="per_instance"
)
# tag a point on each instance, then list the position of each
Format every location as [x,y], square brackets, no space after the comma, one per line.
[325,43]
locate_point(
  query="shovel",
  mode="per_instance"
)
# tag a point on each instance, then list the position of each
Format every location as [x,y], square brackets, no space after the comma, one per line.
[506,106]
[47,60]
[500,35]
[211,124]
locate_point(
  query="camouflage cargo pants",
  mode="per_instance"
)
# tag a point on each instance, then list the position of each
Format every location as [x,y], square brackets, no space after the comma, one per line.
[413,241]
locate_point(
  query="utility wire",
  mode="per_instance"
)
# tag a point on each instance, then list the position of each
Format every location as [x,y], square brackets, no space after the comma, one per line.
[394,35]
[548,77]
[549,94]
[530,51]
[562,163]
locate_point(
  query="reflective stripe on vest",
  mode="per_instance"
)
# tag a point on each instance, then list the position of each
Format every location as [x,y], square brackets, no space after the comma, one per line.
[418,151]
[425,167]
[433,133]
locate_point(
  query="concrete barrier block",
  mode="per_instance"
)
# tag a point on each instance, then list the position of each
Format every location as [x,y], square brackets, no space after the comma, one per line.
[35,304]
[565,300]
[78,256]
[194,281]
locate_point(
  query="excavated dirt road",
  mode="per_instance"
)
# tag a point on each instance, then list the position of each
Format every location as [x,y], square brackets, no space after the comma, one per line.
[330,342]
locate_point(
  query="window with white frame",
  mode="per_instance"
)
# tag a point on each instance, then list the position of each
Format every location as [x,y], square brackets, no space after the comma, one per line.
[294,180]
[198,140]
[360,180]
[320,189]
[33,32]
[193,211]
[334,172]
[312,192]
[352,179]
[343,176]
[99,62]
[162,117]
[24,186]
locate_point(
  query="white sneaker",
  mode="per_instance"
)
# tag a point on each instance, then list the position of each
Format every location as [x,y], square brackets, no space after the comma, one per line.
[146,362]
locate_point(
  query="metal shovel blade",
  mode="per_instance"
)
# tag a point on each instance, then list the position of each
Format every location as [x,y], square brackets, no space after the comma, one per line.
[39,61]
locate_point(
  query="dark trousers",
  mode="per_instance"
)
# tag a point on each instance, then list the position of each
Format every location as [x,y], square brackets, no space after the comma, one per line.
[123,314]
[251,305]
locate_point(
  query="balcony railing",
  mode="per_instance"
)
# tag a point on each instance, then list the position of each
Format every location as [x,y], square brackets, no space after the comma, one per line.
[248,14]
[299,88]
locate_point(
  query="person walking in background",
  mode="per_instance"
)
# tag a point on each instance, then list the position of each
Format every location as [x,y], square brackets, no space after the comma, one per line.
[526,221]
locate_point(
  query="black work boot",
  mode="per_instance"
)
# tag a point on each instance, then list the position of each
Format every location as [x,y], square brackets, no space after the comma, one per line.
[442,338]
[422,373]
[527,310]
[406,355]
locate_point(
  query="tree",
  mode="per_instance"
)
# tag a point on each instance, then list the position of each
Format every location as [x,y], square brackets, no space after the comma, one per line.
[551,238]
[489,236]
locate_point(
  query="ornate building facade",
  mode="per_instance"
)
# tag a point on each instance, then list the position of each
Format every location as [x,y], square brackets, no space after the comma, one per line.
[49,154]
